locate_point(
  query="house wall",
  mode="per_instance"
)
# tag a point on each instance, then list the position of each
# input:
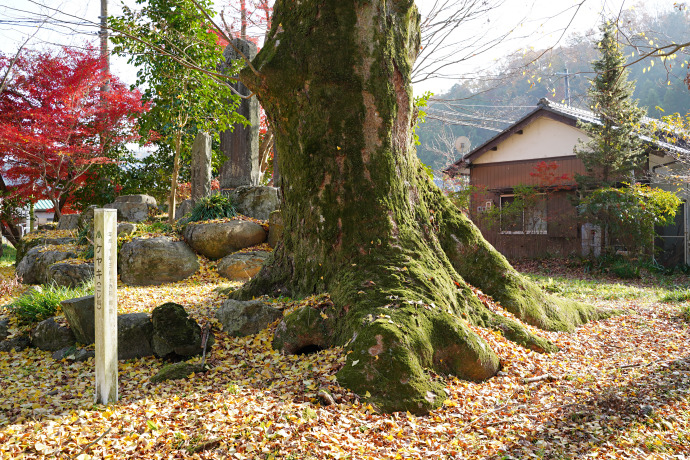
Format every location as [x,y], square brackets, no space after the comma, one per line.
[542,139]
[562,237]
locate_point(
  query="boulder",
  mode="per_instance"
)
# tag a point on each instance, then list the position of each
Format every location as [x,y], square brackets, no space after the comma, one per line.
[154,261]
[175,335]
[33,268]
[134,330]
[4,328]
[183,209]
[25,245]
[16,343]
[242,266]
[73,353]
[242,318]
[216,240]
[79,313]
[133,208]
[275,228]
[134,334]
[255,201]
[49,335]
[86,219]
[69,275]
[69,222]
[126,228]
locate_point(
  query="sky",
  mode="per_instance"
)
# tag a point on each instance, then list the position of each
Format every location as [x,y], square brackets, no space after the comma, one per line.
[535,23]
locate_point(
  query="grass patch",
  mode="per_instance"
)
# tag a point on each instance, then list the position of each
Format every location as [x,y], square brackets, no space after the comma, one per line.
[43,303]
[212,207]
[677,295]
[8,255]
[599,289]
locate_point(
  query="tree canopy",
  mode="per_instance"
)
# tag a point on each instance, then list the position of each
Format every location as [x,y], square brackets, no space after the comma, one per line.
[56,124]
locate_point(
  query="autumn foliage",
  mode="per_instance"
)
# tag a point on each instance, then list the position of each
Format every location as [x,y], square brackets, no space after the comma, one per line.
[56,123]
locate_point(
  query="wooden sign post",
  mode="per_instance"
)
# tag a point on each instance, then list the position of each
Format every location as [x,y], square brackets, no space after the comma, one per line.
[105,303]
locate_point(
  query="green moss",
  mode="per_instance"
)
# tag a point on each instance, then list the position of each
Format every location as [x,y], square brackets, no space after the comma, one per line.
[177,371]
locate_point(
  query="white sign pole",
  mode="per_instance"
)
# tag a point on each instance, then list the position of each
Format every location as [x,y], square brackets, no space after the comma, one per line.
[105,302]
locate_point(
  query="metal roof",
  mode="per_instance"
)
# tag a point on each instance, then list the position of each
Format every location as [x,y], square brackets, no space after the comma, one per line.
[573,115]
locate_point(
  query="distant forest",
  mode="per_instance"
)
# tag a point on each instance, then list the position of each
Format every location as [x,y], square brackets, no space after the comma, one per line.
[481,109]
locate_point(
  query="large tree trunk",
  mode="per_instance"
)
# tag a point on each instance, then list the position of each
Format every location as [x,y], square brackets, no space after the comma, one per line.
[365,224]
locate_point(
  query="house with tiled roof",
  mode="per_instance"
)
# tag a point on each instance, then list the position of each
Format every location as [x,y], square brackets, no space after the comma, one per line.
[548,135]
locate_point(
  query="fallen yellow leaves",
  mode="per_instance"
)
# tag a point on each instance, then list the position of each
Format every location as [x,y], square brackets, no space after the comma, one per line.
[256,403]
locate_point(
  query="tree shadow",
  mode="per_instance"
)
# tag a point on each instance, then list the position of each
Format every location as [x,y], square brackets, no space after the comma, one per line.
[578,429]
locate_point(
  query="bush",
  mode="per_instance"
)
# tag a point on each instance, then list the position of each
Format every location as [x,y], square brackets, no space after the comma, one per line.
[42,304]
[678,295]
[212,207]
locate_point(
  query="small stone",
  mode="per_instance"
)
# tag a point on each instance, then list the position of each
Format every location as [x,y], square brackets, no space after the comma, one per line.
[242,318]
[175,334]
[79,313]
[18,343]
[4,328]
[176,371]
[242,266]
[126,228]
[73,353]
[48,335]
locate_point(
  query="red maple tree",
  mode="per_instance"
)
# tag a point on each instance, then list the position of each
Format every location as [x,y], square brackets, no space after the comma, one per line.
[57,122]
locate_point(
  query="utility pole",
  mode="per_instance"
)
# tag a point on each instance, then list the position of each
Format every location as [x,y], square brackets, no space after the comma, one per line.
[567,84]
[104,37]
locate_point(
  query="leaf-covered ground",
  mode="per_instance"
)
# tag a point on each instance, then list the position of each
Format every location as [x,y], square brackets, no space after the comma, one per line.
[618,388]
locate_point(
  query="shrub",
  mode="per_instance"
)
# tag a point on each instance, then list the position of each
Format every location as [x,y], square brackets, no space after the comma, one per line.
[212,207]
[41,304]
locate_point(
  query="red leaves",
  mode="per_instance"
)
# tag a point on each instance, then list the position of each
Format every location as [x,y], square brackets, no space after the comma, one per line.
[56,123]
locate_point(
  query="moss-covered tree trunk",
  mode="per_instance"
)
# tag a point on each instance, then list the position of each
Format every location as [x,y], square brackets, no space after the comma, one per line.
[365,224]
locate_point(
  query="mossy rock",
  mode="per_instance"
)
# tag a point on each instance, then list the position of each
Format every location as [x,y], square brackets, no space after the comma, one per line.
[177,371]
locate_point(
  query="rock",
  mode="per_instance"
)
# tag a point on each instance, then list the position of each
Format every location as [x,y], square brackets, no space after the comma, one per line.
[126,228]
[201,166]
[79,313]
[34,266]
[242,266]
[175,334]
[134,335]
[4,328]
[183,209]
[177,371]
[133,208]
[257,202]
[25,245]
[275,228]
[242,318]
[17,343]
[69,222]
[154,261]
[134,330]
[48,335]
[73,353]
[86,220]
[69,275]
[216,240]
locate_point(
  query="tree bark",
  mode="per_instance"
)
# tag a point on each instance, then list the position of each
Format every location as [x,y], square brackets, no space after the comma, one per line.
[172,198]
[365,224]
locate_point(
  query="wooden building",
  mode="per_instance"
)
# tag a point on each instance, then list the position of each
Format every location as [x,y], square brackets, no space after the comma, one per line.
[538,151]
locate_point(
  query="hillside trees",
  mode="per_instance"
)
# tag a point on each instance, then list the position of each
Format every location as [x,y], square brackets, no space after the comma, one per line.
[184,100]
[56,125]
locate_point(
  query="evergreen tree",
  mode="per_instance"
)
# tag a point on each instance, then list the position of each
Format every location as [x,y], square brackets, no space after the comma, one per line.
[615,149]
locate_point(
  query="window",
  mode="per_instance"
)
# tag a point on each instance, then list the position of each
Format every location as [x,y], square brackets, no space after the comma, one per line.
[523,214]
